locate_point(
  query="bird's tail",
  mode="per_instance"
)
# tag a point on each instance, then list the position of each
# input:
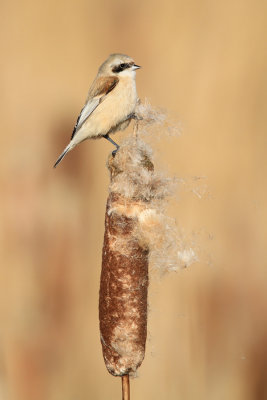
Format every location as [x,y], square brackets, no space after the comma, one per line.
[66,150]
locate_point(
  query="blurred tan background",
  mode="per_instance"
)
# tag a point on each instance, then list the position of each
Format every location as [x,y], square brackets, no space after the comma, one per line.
[206,63]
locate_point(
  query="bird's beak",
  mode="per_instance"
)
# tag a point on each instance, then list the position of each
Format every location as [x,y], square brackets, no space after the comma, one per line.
[134,67]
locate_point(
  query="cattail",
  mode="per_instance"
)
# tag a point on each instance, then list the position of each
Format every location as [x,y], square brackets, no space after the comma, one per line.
[124,277]
[137,234]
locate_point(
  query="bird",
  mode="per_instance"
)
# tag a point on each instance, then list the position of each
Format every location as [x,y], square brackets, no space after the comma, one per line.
[110,104]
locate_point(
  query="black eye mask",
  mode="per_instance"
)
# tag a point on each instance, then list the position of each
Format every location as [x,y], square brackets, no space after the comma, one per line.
[121,67]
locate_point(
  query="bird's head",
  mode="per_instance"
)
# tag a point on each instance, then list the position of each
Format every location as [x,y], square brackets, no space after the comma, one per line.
[119,65]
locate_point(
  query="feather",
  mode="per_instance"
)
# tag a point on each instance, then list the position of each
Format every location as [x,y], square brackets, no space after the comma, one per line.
[100,88]
[62,155]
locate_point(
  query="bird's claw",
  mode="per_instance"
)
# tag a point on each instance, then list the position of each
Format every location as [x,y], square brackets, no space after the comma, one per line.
[135,117]
[115,151]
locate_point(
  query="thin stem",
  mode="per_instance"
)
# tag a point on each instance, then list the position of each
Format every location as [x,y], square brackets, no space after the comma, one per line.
[135,130]
[125,387]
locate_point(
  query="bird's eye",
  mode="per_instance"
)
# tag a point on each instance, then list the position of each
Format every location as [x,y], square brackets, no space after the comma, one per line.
[120,67]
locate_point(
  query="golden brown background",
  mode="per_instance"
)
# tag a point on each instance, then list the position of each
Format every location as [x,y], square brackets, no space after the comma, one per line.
[205,62]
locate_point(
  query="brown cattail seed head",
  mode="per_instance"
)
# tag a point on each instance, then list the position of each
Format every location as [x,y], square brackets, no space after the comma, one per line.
[124,279]
[136,231]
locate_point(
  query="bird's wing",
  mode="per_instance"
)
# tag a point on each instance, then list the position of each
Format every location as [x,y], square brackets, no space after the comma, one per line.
[100,88]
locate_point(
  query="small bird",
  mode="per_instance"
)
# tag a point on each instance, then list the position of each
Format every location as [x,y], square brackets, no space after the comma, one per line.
[110,104]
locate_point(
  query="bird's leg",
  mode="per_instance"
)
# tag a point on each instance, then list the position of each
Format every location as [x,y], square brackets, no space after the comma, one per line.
[131,116]
[134,116]
[112,141]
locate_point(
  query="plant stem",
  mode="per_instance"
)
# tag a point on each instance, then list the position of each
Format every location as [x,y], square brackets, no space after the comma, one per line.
[125,387]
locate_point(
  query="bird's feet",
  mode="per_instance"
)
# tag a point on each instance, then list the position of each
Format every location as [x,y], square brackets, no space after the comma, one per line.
[114,143]
[115,151]
[134,116]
